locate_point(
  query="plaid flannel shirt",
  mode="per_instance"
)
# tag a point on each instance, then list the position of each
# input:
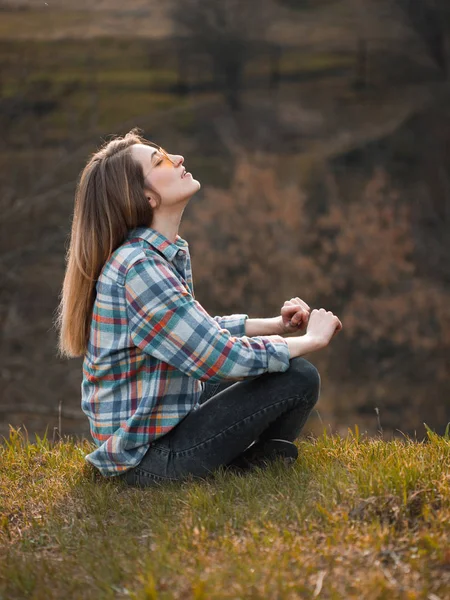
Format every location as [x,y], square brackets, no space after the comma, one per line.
[152,347]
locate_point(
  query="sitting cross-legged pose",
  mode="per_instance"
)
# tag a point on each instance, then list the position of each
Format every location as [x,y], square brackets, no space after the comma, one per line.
[170,391]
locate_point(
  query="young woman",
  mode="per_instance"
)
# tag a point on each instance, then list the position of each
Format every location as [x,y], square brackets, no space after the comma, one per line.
[169,390]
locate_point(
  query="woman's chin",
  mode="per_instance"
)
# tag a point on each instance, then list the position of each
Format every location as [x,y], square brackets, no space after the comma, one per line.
[196,185]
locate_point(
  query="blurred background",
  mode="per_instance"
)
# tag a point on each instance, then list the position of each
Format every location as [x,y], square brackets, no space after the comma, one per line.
[320,131]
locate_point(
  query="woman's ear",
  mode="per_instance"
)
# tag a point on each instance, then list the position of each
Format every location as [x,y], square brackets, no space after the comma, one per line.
[152,201]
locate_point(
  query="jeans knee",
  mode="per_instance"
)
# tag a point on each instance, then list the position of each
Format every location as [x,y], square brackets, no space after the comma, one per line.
[307,371]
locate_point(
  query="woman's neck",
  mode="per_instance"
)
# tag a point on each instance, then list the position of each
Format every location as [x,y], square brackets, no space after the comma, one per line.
[167,225]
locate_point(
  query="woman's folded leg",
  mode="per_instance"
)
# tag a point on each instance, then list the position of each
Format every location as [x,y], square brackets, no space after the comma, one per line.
[271,405]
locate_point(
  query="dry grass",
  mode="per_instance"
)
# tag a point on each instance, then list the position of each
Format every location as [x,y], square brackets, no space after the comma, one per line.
[356,517]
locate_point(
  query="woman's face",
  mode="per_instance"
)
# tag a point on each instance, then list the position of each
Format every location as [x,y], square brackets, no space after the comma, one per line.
[166,174]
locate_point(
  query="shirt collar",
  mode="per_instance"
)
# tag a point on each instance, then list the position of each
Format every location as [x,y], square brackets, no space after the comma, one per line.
[159,241]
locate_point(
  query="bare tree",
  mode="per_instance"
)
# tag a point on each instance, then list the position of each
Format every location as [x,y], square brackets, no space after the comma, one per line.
[225,30]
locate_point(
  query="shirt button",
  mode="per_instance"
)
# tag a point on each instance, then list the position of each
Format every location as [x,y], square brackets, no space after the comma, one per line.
[180,254]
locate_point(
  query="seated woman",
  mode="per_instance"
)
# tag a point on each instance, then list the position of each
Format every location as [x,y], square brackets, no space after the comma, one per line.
[170,391]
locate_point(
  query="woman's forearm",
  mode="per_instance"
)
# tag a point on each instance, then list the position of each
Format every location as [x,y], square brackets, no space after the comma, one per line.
[297,345]
[302,344]
[269,326]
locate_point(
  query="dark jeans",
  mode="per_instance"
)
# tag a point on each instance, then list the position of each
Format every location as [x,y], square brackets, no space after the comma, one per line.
[231,416]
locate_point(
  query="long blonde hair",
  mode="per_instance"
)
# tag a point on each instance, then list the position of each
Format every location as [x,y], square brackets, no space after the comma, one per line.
[109,202]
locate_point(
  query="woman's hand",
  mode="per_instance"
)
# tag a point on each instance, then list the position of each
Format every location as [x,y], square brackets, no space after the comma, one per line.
[294,316]
[323,325]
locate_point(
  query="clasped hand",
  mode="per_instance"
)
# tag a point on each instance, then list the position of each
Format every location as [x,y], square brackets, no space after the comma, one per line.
[294,316]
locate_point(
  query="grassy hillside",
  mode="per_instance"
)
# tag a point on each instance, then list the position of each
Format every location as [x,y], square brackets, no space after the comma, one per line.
[57,19]
[354,518]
